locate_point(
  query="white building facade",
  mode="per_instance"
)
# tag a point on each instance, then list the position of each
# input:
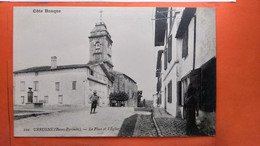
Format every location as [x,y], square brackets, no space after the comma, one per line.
[65,85]
[187,37]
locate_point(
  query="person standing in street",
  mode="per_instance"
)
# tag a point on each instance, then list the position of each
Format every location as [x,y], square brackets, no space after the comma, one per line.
[190,106]
[94,101]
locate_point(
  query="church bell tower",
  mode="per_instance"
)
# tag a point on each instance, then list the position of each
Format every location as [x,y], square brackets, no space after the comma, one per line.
[100,45]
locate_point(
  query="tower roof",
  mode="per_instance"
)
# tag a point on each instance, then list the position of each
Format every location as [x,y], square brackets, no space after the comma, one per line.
[100,30]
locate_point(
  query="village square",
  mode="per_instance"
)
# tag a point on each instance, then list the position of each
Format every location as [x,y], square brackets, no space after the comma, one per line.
[96,99]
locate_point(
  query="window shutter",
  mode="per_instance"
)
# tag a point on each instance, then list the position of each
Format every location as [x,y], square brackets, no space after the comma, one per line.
[165,94]
[74,85]
[170,49]
[36,85]
[179,93]
[185,44]
[165,59]
[171,21]
[170,92]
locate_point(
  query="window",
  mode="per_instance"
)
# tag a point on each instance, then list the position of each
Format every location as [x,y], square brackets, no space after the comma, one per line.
[36,85]
[170,92]
[22,85]
[97,45]
[166,30]
[35,99]
[185,44]
[22,99]
[179,100]
[165,95]
[97,50]
[74,85]
[165,59]
[60,99]
[91,72]
[46,99]
[57,86]
[184,88]
[170,49]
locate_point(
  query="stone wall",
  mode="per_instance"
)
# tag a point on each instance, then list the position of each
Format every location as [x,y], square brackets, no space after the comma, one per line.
[123,84]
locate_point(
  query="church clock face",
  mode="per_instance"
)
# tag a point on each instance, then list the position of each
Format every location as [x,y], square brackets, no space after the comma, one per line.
[98,45]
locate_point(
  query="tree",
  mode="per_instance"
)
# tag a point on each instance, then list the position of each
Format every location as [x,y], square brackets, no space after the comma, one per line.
[119,97]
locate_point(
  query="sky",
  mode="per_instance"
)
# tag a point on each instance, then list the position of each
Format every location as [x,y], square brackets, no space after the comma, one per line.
[38,36]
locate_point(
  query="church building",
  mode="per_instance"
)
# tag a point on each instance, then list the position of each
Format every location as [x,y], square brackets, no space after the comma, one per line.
[74,84]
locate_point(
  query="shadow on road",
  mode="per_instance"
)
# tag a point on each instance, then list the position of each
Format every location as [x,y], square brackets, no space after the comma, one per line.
[128,126]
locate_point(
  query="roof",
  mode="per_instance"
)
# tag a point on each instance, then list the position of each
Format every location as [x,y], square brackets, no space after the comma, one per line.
[106,72]
[99,27]
[187,15]
[100,30]
[94,62]
[101,64]
[161,15]
[48,68]
[119,73]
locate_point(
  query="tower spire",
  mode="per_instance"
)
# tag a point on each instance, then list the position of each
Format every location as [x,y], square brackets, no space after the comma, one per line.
[100,16]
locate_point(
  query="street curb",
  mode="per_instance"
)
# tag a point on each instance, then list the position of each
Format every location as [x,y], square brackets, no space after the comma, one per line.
[22,116]
[157,127]
[134,133]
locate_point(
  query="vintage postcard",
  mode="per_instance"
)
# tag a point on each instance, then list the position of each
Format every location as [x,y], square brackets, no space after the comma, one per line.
[114,71]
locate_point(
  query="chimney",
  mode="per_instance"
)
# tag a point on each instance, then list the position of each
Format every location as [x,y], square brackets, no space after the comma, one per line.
[53,62]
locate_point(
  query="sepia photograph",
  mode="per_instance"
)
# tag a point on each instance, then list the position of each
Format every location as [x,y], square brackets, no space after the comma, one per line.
[114,71]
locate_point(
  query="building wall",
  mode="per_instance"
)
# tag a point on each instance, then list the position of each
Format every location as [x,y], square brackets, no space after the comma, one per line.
[205,36]
[205,50]
[47,87]
[171,107]
[105,48]
[172,73]
[131,90]
[98,82]
[187,62]
[123,84]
